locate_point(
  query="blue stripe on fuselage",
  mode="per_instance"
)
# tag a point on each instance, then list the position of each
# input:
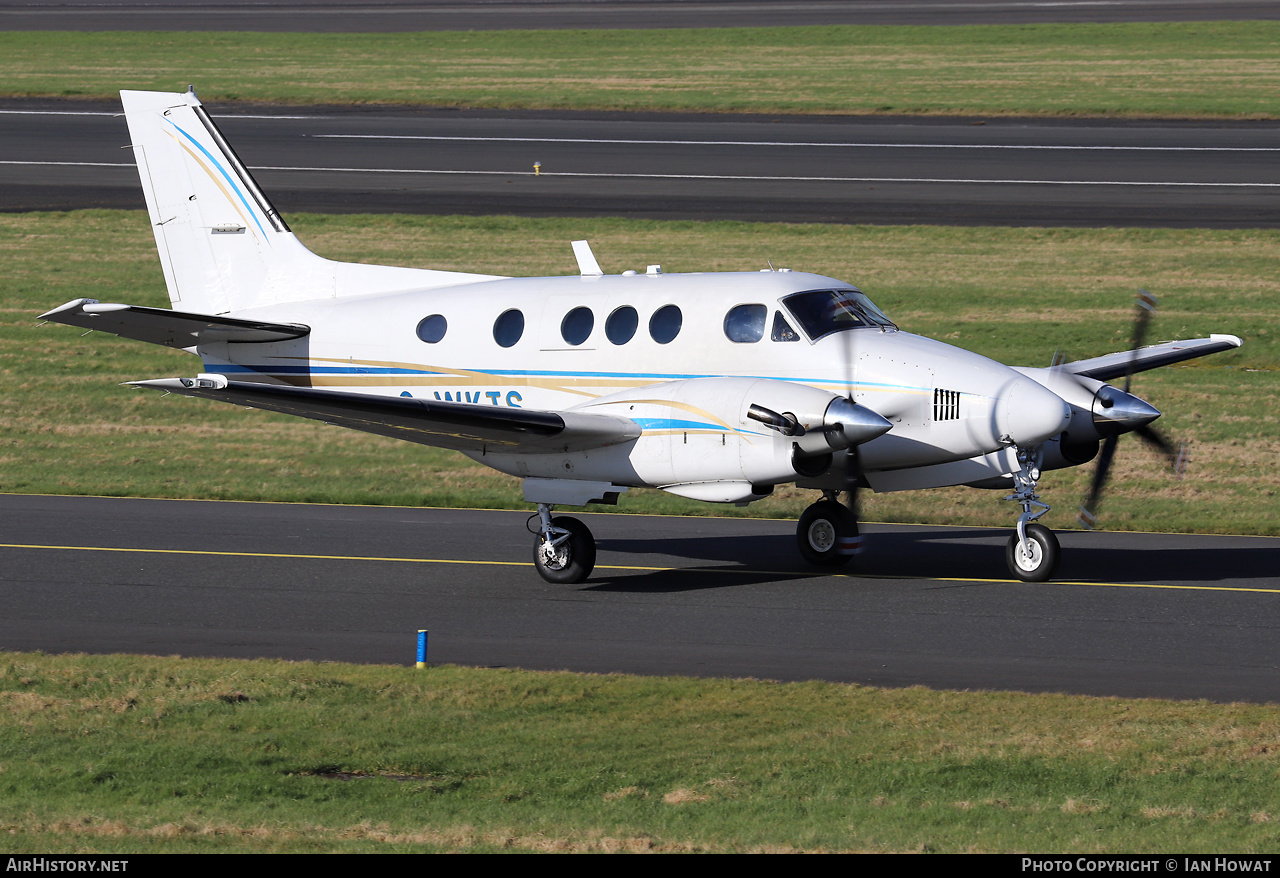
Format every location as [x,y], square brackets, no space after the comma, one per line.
[654,377]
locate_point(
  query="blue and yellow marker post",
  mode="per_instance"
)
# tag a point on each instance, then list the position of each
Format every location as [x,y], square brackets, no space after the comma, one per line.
[422,649]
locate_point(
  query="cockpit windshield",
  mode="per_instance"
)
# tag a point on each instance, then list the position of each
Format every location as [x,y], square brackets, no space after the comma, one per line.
[822,312]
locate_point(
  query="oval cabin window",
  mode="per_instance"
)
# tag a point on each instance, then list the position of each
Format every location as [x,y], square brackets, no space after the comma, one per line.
[577,325]
[433,328]
[745,323]
[664,325]
[508,328]
[621,326]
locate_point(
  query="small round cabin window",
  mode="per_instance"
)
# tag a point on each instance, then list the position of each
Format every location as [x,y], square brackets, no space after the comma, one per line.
[433,328]
[664,325]
[620,328]
[577,325]
[508,328]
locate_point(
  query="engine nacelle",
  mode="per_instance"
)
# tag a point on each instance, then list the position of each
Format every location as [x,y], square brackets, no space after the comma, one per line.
[729,439]
[1098,409]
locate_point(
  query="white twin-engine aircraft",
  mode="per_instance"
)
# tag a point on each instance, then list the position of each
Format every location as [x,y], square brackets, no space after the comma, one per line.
[713,386]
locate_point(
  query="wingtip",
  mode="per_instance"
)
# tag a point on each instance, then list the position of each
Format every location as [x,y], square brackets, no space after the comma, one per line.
[1234,340]
[156,384]
[73,305]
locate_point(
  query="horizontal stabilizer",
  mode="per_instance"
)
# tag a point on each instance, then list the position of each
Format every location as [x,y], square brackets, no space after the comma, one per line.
[174,329]
[1117,365]
[456,425]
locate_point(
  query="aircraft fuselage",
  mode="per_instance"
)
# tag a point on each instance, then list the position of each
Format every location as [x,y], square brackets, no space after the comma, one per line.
[682,355]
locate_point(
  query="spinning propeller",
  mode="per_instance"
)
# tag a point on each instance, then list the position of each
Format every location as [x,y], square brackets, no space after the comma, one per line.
[1120,413]
[851,543]
[828,531]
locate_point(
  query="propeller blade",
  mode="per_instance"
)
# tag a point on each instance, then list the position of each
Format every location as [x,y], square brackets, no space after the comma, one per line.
[1177,456]
[1146,307]
[851,543]
[1088,517]
[1125,413]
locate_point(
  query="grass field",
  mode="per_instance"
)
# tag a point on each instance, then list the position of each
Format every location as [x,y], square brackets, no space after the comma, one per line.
[1014,294]
[1195,70]
[116,754]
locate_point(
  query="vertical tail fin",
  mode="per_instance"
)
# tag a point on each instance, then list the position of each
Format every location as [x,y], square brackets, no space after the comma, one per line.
[224,247]
[222,244]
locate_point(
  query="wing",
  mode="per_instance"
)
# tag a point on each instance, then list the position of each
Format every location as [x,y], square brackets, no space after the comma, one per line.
[457,425]
[175,329]
[1118,365]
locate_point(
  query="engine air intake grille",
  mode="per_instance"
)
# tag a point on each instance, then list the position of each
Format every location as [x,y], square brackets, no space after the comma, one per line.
[946,405]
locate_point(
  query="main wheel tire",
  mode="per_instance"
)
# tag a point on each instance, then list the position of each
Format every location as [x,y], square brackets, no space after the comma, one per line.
[1042,562]
[820,531]
[573,560]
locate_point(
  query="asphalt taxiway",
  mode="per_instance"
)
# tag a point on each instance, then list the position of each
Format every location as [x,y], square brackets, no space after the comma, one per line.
[1175,616]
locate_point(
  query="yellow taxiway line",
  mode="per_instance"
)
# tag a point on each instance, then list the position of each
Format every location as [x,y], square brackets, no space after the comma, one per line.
[732,570]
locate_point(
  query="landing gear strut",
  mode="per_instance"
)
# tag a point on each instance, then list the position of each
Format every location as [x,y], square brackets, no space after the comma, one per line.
[827,534]
[1033,552]
[564,551]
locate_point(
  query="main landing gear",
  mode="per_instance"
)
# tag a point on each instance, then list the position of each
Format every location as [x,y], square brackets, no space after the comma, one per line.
[1033,552]
[564,551]
[827,534]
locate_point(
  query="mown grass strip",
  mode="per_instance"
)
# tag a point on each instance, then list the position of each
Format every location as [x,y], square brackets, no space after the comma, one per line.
[1179,69]
[1017,295]
[131,754]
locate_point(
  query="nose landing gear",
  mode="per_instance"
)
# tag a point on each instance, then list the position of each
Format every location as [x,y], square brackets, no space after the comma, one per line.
[1033,552]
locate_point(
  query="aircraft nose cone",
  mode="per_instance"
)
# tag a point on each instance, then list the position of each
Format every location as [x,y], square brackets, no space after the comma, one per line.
[857,424]
[1117,411]
[1029,413]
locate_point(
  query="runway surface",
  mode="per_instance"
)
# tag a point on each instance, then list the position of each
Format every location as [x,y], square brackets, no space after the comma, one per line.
[57,155]
[374,16]
[1133,615]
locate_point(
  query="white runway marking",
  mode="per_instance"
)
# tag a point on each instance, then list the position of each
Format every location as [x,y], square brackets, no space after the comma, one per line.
[749,177]
[659,142]
[789,143]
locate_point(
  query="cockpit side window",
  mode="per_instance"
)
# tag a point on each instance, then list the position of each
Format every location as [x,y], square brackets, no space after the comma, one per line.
[822,312]
[745,323]
[782,330]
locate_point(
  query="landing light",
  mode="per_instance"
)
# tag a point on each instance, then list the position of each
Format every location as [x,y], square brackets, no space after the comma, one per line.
[206,381]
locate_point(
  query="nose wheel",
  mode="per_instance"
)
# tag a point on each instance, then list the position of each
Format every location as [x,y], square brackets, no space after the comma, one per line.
[1034,559]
